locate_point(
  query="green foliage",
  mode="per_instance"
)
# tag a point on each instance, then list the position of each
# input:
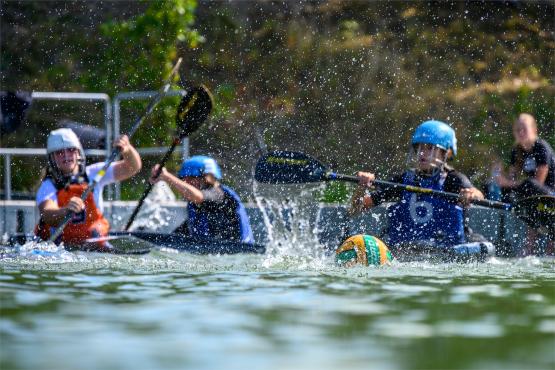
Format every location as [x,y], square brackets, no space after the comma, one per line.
[139,52]
[345,81]
[118,54]
[348,81]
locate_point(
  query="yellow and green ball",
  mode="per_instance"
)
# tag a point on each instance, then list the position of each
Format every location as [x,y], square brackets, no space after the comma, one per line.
[363,250]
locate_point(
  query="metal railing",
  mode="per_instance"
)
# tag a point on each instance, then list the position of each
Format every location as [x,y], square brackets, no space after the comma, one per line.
[111,125]
[42,95]
[92,97]
[9,152]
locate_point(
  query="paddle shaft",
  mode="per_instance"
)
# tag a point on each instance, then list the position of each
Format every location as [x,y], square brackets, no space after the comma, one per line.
[161,164]
[286,167]
[116,151]
[415,189]
[192,111]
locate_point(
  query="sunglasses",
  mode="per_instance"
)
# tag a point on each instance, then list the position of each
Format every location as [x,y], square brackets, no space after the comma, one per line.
[61,152]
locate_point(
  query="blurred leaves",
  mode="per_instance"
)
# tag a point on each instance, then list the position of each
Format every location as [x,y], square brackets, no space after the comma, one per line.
[345,81]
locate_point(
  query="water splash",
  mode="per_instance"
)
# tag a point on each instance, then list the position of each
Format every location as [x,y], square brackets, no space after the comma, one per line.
[39,251]
[291,215]
[154,216]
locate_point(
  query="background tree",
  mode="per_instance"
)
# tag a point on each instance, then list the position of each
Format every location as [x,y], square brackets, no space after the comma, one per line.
[345,81]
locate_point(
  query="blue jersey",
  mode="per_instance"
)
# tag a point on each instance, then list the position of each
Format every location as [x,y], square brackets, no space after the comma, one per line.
[228,220]
[423,217]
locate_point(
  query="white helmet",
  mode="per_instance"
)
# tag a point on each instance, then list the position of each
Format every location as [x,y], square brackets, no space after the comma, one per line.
[63,138]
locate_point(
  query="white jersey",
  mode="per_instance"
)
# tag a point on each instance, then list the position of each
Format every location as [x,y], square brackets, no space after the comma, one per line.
[47,190]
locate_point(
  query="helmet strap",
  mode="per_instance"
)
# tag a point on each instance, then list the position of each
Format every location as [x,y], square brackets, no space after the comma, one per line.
[61,180]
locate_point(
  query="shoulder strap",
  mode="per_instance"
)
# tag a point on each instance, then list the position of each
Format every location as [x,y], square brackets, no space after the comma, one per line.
[62,182]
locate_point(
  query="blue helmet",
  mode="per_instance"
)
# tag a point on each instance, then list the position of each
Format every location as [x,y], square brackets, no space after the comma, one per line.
[200,165]
[436,133]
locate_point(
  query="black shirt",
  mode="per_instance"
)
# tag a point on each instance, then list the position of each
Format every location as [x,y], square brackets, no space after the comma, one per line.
[220,209]
[217,202]
[454,182]
[541,154]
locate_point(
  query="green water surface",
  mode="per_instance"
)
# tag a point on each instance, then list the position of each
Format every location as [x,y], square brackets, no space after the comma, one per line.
[169,311]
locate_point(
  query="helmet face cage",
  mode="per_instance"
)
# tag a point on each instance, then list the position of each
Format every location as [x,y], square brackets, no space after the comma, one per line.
[55,171]
[62,139]
[434,159]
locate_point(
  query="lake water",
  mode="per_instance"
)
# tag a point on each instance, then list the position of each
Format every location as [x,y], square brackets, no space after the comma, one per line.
[281,311]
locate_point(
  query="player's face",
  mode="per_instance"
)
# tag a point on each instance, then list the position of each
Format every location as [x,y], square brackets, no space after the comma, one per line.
[67,160]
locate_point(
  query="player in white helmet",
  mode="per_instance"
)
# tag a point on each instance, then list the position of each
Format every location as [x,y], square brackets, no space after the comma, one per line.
[68,177]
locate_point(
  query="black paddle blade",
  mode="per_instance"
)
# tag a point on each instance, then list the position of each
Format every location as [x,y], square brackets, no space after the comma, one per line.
[193,110]
[282,167]
[538,212]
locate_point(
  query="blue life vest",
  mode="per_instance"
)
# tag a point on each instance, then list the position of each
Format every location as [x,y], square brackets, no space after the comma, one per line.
[423,217]
[206,223]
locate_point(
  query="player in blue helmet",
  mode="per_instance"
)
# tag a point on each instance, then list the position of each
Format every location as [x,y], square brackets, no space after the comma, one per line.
[432,145]
[423,219]
[214,210]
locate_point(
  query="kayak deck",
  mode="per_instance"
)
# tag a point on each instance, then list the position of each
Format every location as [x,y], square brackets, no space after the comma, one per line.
[141,242]
[194,245]
[468,252]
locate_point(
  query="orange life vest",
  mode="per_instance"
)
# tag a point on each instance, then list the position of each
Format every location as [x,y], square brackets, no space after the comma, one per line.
[78,230]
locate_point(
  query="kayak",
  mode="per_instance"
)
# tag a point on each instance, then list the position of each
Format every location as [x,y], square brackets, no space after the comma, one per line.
[368,250]
[193,245]
[142,242]
[467,252]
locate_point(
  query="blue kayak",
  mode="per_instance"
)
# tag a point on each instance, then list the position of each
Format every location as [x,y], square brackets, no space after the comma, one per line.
[193,245]
[421,251]
[141,242]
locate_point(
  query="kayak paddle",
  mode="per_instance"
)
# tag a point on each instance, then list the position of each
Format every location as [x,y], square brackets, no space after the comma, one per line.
[284,167]
[193,110]
[115,152]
